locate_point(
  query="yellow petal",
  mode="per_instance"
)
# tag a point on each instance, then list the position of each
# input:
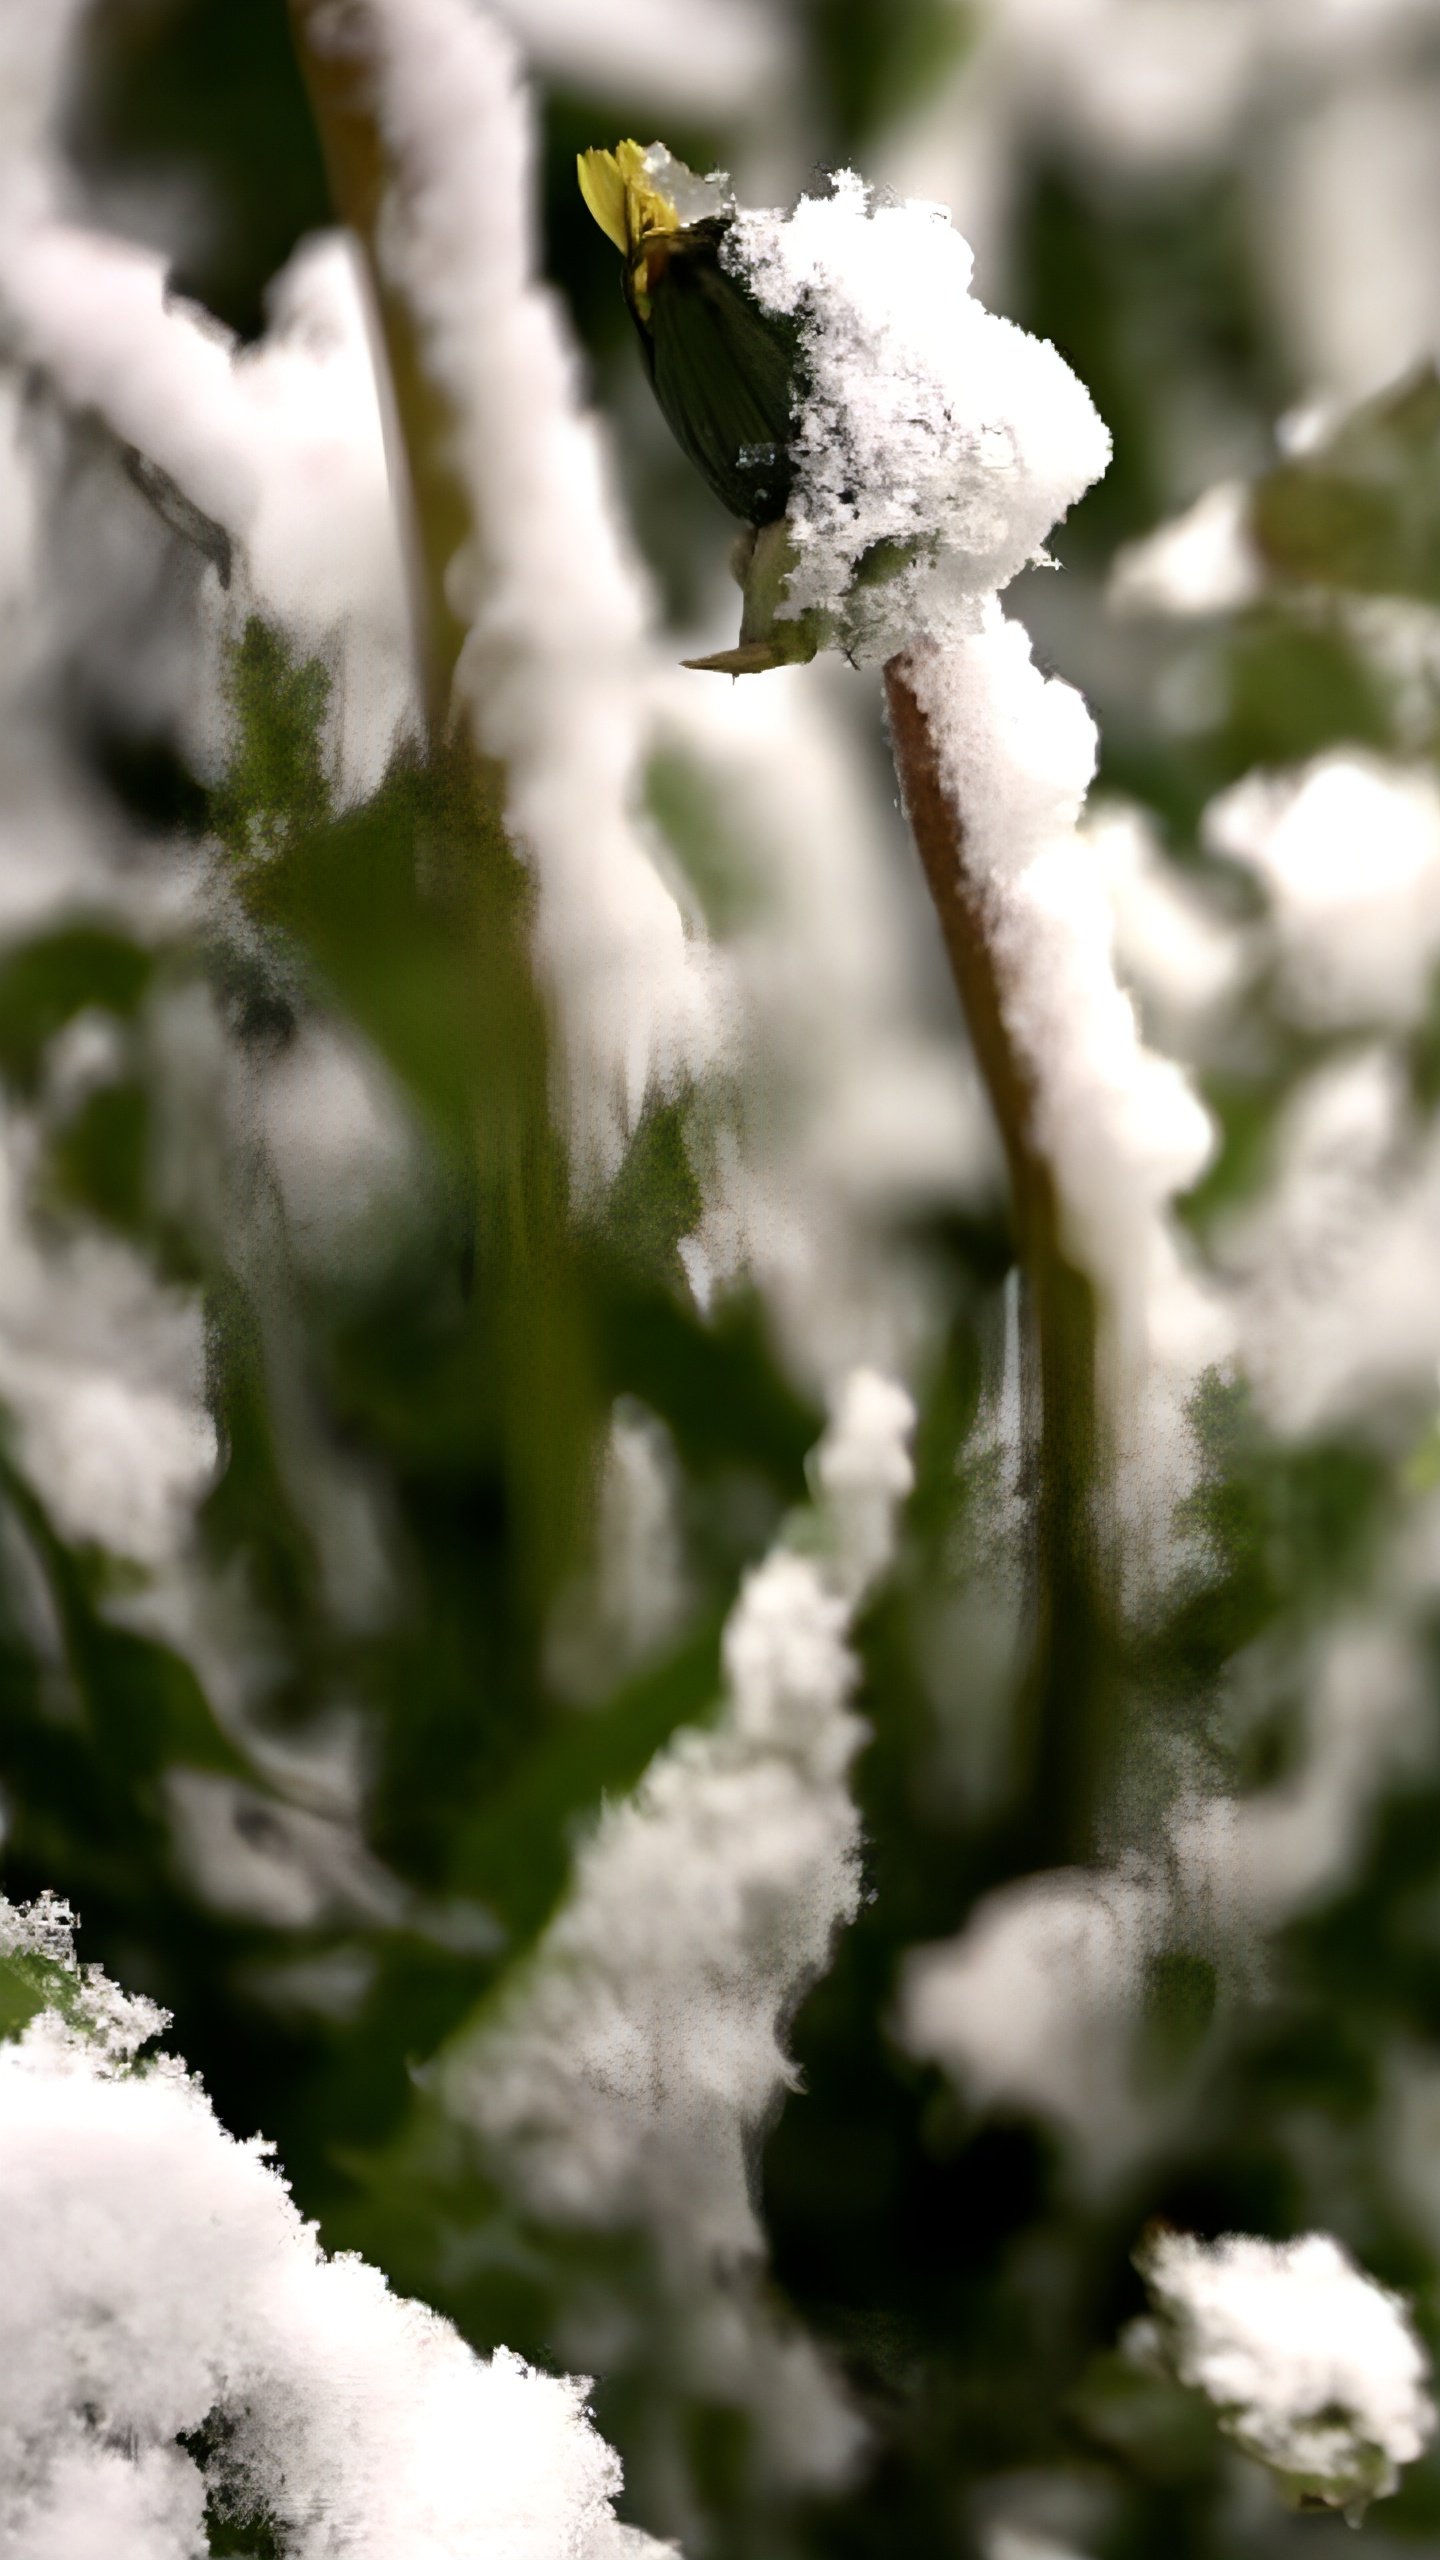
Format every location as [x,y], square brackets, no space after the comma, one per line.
[623,196]
[603,188]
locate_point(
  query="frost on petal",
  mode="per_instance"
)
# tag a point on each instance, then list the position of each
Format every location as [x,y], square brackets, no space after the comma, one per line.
[1312,2366]
[171,2333]
[934,439]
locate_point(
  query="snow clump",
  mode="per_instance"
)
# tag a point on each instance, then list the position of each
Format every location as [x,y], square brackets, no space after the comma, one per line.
[175,2347]
[1313,2367]
[937,444]
[1348,848]
[622,2079]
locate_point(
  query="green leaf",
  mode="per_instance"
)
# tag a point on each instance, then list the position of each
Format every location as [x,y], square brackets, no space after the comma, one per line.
[275,781]
[1363,511]
[515,1851]
[46,982]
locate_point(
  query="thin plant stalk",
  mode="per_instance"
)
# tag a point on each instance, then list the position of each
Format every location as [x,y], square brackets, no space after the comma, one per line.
[1064,1738]
[519,1264]
[435,511]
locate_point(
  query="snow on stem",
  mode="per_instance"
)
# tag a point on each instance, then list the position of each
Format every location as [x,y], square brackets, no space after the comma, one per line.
[339,77]
[536,615]
[898,454]
[1059,1403]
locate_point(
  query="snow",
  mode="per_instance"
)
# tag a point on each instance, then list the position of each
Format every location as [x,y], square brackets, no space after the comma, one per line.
[343,1150]
[36,58]
[1154,83]
[1160,83]
[102,1370]
[926,420]
[847,1107]
[1331,1271]
[1322,110]
[1255,1860]
[1034,2004]
[1038,2002]
[1349,850]
[256,1857]
[1181,959]
[158,2277]
[1314,2367]
[1120,1127]
[1201,562]
[862,1473]
[635,1597]
[281,445]
[554,666]
[1017,2542]
[685,58]
[628,2068]
[1354,202]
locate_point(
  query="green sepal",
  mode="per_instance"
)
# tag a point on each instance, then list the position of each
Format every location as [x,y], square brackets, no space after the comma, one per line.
[762,561]
[722,370]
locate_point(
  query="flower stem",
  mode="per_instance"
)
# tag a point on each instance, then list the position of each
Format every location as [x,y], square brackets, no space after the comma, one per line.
[1065,1708]
[419,430]
[519,1276]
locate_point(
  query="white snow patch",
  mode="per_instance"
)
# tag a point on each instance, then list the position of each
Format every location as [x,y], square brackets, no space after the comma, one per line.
[926,420]
[1313,2367]
[1034,2004]
[1331,1274]
[281,445]
[102,1370]
[1181,958]
[555,664]
[1202,562]
[1121,1128]
[627,2070]
[707,59]
[643,2042]
[1349,849]
[158,2277]
[849,1104]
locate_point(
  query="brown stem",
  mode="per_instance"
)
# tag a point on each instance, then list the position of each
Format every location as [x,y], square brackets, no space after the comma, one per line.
[419,429]
[521,1276]
[1067,1682]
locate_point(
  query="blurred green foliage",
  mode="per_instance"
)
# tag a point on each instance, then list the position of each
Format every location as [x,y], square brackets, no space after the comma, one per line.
[199,104]
[968,2281]
[1360,511]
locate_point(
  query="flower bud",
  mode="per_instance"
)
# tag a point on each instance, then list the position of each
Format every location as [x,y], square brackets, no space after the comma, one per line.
[723,370]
